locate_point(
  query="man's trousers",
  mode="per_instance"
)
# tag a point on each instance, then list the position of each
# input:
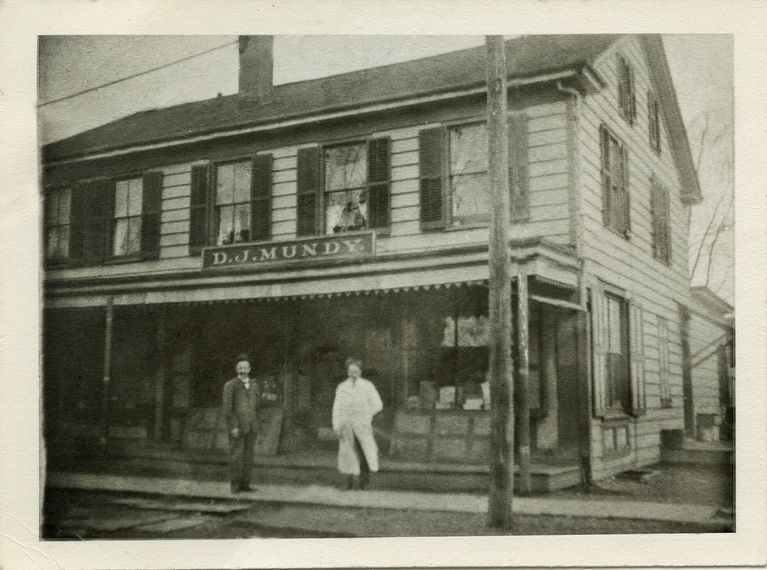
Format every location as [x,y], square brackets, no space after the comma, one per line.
[241,451]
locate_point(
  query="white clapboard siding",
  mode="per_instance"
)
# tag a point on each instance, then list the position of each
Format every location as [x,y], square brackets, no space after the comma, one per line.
[629,264]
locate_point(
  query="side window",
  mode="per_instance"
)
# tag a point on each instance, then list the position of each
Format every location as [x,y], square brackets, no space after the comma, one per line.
[616,205]
[126,217]
[232,205]
[626,93]
[58,205]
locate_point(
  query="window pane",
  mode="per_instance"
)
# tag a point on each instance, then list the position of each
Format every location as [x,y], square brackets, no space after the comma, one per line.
[63,245]
[121,198]
[345,167]
[242,223]
[52,208]
[468,149]
[471,197]
[242,182]
[615,331]
[53,242]
[225,225]
[134,235]
[65,201]
[225,184]
[120,240]
[346,211]
[135,197]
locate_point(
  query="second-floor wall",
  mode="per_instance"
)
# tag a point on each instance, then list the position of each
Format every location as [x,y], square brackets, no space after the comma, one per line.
[455,134]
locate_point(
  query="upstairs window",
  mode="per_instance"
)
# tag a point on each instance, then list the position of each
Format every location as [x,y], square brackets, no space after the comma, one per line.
[653,118]
[126,217]
[346,200]
[57,220]
[661,221]
[232,202]
[470,195]
[626,92]
[615,183]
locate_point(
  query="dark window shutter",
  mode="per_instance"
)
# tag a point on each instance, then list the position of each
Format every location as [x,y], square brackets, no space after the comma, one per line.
[604,138]
[198,213]
[631,94]
[667,224]
[636,348]
[379,168]
[92,219]
[431,166]
[518,167]
[261,196]
[151,205]
[625,191]
[308,188]
[77,220]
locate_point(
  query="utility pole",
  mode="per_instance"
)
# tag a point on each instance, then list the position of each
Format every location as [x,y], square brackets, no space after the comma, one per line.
[501,381]
[523,376]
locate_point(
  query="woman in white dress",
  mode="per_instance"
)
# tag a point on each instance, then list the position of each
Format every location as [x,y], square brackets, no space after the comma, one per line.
[355,404]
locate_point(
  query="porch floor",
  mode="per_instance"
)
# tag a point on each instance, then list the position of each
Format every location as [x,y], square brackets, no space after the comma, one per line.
[548,472]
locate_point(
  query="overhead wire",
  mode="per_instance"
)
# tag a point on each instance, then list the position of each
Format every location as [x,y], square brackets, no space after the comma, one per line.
[134,75]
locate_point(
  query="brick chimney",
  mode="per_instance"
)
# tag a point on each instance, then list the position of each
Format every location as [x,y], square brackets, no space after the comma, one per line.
[256,66]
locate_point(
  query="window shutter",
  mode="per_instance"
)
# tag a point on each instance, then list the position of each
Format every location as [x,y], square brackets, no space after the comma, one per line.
[625,191]
[636,346]
[607,198]
[632,100]
[91,217]
[261,198]
[379,168]
[667,224]
[77,220]
[518,167]
[308,189]
[431,166]
[151,205]
[663,379]
[599,347]
[198,214]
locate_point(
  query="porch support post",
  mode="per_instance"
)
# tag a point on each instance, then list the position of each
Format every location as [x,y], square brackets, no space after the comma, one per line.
[548,426]
[523,407]
[583,340]
[109,317]
[500,366]
[160,377]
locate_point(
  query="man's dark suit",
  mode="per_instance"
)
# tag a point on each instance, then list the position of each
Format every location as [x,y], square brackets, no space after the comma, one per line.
[241,411]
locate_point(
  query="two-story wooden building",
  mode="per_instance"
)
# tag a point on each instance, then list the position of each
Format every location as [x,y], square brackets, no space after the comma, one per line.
[305,222]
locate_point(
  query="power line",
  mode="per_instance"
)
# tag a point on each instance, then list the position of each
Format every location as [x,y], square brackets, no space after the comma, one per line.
[139,74]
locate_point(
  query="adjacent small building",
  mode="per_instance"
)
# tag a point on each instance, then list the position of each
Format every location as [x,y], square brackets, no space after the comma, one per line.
[305,222]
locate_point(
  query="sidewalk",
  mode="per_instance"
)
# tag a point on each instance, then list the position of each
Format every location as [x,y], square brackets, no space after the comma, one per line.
[330,496]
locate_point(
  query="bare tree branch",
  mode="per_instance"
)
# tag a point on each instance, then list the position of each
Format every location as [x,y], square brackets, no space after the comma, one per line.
[703,240]
[712,246]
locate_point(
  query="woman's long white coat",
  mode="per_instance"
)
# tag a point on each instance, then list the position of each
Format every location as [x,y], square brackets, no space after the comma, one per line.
[355,404]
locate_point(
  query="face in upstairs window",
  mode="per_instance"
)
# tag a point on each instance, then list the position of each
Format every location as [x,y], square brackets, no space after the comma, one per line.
[468,174]
[126,217]
[346,205]
[233,202]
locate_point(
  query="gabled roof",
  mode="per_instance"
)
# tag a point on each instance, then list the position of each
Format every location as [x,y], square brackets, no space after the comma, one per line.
[526,56]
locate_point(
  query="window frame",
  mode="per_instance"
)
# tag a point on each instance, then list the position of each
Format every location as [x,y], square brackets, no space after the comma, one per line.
[362,142]
[622,403]
[213,208]
[110,256]
[474,221]
[48,225]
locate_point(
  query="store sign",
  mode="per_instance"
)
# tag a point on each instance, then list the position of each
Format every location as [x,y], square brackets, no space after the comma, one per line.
[258,255]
